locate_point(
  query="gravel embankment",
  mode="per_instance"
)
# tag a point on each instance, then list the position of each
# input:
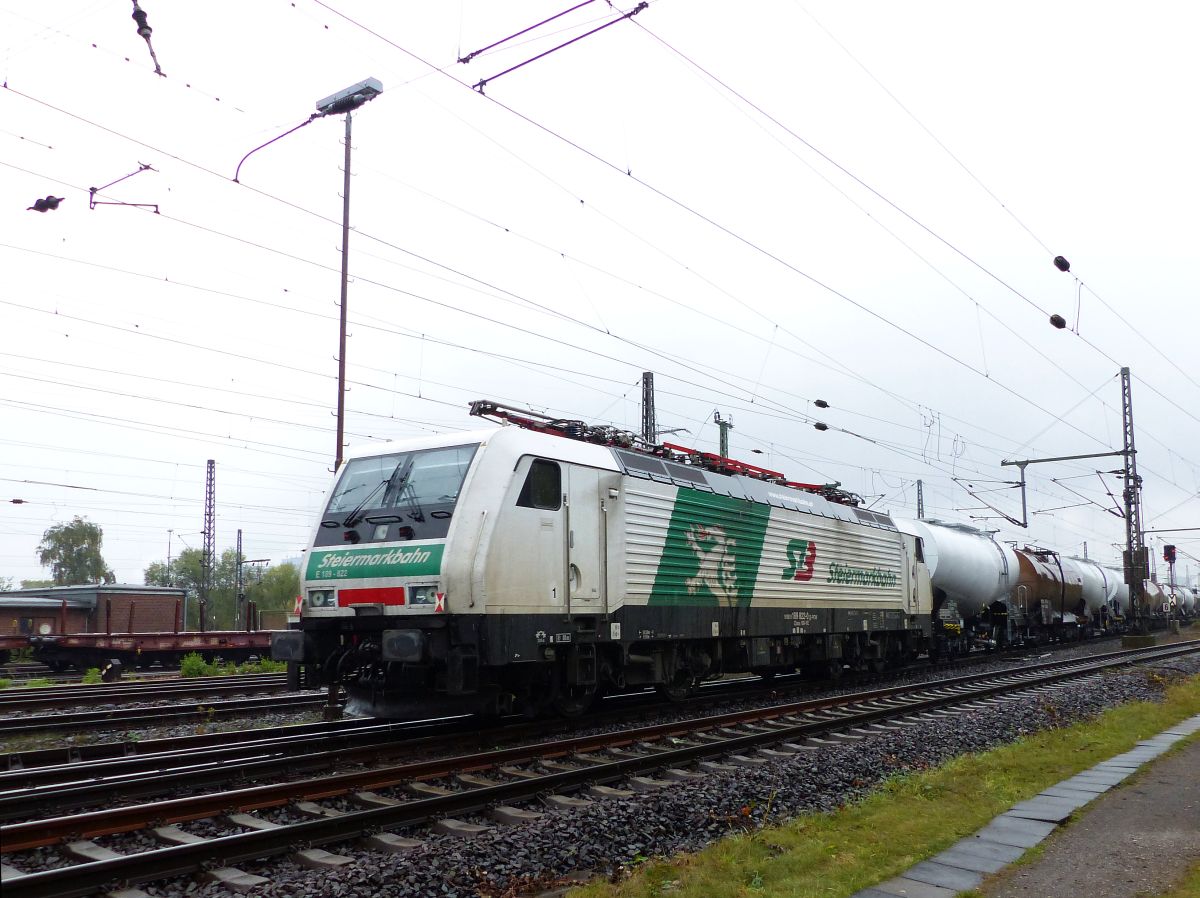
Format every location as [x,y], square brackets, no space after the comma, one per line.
[686,817]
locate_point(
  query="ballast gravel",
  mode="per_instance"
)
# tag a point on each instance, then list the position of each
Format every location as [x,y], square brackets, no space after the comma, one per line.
[607,837]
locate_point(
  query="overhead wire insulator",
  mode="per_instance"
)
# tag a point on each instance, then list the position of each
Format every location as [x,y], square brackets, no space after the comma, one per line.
[144,31]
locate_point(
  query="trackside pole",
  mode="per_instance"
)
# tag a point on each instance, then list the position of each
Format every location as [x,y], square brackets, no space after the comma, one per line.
[333,708]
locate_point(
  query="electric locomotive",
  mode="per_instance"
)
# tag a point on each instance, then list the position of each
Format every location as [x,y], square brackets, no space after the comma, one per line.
[535,566]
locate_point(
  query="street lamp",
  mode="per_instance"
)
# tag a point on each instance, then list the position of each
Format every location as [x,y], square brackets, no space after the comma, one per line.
[346,101]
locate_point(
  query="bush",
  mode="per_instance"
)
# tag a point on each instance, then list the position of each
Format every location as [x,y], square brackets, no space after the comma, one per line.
[92,676]
[194,665]
[4,684]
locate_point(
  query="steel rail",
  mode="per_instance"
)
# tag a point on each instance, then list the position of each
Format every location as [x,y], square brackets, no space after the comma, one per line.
[59,697]
[85,878]
[155,714]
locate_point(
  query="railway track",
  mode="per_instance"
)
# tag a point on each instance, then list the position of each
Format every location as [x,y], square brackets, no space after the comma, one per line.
[106,693]
[565,773]
[159,715]
[220,754]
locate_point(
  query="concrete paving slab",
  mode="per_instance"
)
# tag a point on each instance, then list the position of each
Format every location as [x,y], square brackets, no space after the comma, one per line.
[914,888]
[987,849]
[1006,833]
[968,861]
[1052,810]
[1108,776]
[942,875]
[1082,795]
[872,893]
[1083,784]
[1118,766]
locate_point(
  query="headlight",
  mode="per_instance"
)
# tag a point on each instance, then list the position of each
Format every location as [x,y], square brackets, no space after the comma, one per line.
[321,598]
[422,595]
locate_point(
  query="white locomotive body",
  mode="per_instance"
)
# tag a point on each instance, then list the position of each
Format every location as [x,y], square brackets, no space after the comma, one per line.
[516,568]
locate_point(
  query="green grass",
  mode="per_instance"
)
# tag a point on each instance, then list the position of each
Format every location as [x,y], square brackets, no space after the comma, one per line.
[1188,887]
[38,683]
[5,683]
[908,819]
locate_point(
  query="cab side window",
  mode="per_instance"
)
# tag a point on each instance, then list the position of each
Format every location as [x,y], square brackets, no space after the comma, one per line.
[543,486]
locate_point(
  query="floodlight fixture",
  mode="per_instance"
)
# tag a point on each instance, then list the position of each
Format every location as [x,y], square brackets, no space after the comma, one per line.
[351,98]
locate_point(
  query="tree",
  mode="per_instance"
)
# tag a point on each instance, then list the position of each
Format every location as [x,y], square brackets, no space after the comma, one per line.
[36,584]
[187,573]
[276,590]
[6,583]
[72,552]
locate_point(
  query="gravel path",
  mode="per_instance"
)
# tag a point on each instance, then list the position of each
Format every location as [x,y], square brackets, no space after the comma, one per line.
[1148,832]
[610,835]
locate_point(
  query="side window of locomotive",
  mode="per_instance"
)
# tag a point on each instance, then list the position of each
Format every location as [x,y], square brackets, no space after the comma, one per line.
[543,486]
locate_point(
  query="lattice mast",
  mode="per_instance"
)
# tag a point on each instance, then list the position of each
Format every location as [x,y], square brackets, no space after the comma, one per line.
[1135,550]
[208,562]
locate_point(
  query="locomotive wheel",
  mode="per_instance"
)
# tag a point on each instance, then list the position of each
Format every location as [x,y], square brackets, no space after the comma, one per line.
[572,701]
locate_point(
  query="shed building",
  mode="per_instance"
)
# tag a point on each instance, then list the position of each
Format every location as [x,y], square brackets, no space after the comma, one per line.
[90,608]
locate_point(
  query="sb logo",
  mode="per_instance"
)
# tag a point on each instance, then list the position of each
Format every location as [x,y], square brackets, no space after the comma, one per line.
[802,555]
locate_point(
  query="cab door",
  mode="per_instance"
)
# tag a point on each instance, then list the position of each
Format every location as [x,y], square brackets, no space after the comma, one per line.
[587,549]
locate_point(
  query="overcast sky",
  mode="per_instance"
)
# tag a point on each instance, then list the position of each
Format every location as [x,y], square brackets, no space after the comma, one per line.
[764,203]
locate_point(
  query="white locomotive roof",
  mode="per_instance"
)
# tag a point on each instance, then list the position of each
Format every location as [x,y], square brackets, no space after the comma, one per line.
[520,441]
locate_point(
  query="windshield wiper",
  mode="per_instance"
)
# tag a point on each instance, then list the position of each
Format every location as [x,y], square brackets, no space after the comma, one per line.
[397,480]
[354,516]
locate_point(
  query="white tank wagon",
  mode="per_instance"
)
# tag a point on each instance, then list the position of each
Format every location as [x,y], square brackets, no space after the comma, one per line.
[1187,600]
[988,593]
[516,568]
[968,565]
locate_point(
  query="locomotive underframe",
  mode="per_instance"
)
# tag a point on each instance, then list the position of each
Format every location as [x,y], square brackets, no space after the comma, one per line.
[530,663]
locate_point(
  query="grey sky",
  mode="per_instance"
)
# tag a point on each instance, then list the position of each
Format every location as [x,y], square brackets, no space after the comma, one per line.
[608,209]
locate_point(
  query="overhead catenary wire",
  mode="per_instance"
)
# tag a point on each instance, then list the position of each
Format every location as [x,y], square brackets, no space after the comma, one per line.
[202,168]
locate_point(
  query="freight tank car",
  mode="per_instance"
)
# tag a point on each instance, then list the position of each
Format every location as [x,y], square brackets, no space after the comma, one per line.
[990,594]
[516,568]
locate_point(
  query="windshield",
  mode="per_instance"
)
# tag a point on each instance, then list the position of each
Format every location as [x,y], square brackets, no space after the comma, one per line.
[404,495]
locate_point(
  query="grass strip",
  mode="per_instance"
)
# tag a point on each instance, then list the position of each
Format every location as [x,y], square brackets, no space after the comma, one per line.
[909,818]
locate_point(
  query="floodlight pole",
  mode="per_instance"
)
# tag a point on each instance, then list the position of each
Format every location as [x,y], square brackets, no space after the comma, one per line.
[346,101]
[341,398]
